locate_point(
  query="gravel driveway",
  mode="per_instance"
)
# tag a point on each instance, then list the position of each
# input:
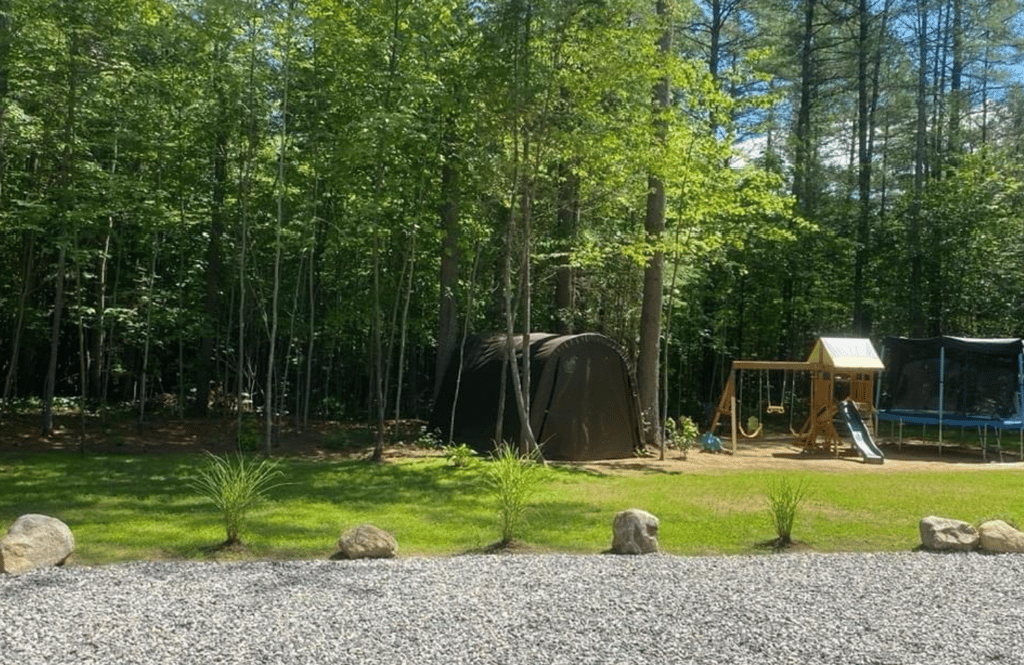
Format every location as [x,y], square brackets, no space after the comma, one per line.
[791,608]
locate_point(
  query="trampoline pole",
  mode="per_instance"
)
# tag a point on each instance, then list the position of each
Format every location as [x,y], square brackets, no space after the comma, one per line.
[942,390]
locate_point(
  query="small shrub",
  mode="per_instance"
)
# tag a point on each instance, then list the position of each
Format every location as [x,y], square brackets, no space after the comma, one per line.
[250,435]
[428,439]
[512,478]
[333,408]
[235,484]
[460,456]
[685,435]
[347,438]
[783,499]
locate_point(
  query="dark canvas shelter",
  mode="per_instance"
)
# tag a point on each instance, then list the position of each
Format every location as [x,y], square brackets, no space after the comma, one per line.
[583,401]
[953,380]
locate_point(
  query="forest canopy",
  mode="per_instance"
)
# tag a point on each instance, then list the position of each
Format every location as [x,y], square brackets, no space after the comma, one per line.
[302,206]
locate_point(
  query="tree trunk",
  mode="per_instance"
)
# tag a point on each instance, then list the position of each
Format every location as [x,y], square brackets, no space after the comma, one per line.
[802,153]
[920,156]
[99,337]
[447,328]
[527,440]
[568,221]
[650,315]
[5,71]
[715,47]
[214,269]
[26,287]
[82,376]
[245,205]
[268,410]
[377,403]
[66,205]
[51,372]
[860,319]
[470,290]
[957,101]
[404,328]
[311,342]
[377,352]
[143,383]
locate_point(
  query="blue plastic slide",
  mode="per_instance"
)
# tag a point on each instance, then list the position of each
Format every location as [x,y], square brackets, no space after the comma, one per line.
[860,435]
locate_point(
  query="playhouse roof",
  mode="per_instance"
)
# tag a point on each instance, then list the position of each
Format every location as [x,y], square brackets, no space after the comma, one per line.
[846,353]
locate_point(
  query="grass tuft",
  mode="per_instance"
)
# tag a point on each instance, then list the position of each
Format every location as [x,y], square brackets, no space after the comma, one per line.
[512,479]
[235,484]
[784,498]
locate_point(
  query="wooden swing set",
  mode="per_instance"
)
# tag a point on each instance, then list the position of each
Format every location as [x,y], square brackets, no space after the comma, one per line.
[842,370]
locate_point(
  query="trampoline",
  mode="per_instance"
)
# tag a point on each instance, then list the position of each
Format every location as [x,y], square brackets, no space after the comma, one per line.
[953,382]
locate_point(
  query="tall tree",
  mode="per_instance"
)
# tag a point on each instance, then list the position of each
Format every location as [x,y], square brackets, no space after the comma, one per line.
[648,373]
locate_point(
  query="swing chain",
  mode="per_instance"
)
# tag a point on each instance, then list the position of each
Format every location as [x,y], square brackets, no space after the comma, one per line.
[781,406]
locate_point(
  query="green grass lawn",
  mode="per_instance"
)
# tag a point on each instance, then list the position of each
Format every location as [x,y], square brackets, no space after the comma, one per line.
[132,507]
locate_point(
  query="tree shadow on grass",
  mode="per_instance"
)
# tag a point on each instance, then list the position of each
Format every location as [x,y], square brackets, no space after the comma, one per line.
[101,494]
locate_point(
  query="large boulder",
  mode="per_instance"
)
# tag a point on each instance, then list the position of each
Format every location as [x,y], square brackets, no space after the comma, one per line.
[367,542]
[946,535]
[35,541]
[634,531]
[998,536]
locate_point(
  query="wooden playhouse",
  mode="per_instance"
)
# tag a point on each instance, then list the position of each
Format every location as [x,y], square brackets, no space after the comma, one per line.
[841,374]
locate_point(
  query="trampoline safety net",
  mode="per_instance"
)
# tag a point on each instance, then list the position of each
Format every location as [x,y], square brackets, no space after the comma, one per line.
[969,379]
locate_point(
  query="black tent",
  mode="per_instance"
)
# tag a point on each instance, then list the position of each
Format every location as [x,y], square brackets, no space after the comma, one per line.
[583,401]
[954,380]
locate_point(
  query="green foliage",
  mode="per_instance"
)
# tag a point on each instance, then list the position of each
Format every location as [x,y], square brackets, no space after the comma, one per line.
[428,439]
[346,438]
[512,479]
[684,434]
[235,484]
[111,111]
[460,456]
[250,434]
[783,498]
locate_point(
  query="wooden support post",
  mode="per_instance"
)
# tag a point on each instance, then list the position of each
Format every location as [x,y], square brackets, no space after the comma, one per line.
[732,420]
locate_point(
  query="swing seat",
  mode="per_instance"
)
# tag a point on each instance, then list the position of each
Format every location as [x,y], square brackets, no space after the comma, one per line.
[776,409]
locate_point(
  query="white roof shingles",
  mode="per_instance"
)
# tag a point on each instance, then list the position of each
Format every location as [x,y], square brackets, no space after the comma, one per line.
[846,353]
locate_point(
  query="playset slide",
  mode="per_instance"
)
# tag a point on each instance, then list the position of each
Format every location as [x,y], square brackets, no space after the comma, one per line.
[859,433]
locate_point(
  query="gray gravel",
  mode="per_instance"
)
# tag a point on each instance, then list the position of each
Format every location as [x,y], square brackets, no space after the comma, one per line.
[793,608]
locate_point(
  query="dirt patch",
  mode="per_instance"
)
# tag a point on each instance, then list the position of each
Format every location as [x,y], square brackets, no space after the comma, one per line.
[782,455]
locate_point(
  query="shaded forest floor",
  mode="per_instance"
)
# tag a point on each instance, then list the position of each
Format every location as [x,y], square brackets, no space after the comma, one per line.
[338,440]
[215,434]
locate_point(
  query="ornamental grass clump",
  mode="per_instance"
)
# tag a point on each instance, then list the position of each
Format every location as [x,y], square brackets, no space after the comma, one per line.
[512,478]
[235,484]
[783,499]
